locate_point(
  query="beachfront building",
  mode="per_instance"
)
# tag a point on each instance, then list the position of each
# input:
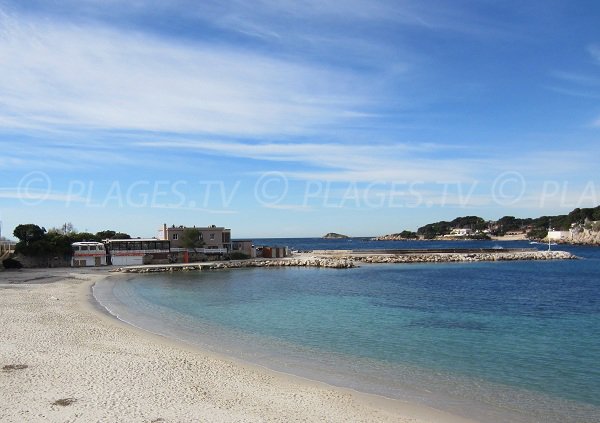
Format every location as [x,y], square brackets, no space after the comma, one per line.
[215,240]
[272,252]
[244,246]
[138,251]
[461,232]
[88,254]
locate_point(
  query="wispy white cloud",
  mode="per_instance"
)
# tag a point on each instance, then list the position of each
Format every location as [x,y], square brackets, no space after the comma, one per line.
[65,156]
[578,84]
[264,17]
[291,207]
[95,77]
[578,78]
[575,92]
[431,163]
[31,196]
[433,16]
[337,161]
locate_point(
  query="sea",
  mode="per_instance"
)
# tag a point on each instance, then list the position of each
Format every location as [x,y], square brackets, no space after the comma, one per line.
[497,342]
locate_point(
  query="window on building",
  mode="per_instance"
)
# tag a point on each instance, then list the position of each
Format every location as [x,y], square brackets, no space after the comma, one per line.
[175,237]
[212,237]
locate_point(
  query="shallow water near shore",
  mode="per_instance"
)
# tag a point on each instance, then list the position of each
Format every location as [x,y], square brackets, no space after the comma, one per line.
[494,341]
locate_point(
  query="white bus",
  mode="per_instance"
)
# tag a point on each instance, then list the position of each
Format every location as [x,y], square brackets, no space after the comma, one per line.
[88,254]
[137,251]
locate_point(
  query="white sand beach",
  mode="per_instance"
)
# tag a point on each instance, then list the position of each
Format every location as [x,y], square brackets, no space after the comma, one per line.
[63,359]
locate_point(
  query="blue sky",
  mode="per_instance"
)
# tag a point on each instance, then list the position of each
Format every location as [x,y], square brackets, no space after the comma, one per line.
[296,118]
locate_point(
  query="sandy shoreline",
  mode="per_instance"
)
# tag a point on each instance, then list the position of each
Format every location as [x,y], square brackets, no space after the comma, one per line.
[115,372]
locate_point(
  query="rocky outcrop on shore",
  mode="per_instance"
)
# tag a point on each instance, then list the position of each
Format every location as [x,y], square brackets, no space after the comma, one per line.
[585,237]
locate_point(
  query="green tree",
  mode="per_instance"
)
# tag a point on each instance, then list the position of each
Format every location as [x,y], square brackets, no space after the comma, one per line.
[29,233]
[408,235]
[537,233]
[65,229]
[83,236]
[57,244]
[507,223]
[432,230]
[107,234]
[191,238]
[472,222]
[35,242]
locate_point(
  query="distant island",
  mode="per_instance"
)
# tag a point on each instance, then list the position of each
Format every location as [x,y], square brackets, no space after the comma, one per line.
[333,235]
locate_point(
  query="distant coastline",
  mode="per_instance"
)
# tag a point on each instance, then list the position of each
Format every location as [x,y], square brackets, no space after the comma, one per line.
[579,227]
[399,237]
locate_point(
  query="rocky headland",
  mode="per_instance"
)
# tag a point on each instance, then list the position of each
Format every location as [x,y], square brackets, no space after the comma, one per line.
[583,237]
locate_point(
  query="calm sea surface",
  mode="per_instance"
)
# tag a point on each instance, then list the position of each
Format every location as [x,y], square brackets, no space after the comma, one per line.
[501,342]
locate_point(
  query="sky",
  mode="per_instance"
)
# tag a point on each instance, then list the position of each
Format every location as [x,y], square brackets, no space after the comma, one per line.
[280,118]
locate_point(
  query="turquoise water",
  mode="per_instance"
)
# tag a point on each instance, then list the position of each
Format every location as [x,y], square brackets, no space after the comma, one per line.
[514,341]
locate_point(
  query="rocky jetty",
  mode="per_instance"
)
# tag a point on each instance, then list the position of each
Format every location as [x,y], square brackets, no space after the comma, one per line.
[350,260]
[393,237]
[335,263]
[461,257]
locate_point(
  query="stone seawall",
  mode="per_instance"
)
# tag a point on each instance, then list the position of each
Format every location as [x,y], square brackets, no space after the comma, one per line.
[352,260]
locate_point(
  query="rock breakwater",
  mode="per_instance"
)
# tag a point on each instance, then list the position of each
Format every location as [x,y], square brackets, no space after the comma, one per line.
[348,261]
[462,257]
[328,262]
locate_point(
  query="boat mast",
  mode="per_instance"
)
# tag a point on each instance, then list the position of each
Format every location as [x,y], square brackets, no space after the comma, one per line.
[549,228]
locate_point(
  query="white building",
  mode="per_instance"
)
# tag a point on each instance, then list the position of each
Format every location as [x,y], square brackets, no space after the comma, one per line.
[88,254]
[138,251]
[559,235]
[461,232]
